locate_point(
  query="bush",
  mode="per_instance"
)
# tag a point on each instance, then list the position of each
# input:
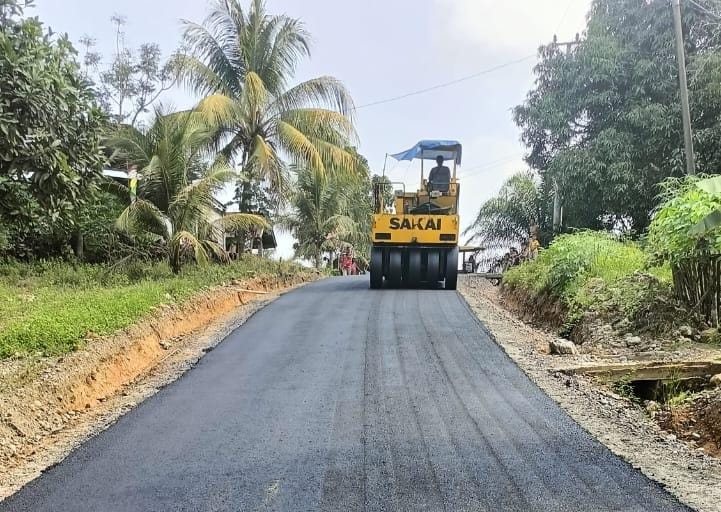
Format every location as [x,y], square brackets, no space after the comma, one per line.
[644,300]
[684,205]
[571,260]
[592,274]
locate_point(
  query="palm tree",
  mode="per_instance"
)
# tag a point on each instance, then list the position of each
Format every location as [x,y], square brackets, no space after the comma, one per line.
[507,219]
[176,193]
[321,220]
[242,62]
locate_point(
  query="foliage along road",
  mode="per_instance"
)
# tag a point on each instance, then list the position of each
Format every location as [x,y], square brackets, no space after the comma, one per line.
[336,397]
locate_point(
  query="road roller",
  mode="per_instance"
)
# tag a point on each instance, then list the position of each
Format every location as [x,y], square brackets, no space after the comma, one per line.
[415,233]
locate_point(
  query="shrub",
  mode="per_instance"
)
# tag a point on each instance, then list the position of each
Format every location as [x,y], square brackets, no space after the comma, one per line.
[571,260]
[593,274]
[684,205]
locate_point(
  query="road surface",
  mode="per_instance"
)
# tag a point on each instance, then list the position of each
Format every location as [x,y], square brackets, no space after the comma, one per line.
[339,398]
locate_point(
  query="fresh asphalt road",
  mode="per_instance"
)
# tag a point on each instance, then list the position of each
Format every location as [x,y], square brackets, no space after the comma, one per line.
[337,397]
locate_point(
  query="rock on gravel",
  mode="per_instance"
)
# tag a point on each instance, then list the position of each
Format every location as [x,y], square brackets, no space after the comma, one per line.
[633,341]
[716,380]
[561,346]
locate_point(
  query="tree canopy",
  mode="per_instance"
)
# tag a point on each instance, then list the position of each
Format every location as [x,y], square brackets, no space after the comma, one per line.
[603,118]
[507,219]
[50,127]
[243,61]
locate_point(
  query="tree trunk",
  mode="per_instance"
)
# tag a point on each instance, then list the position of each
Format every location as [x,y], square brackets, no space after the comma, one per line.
[240,243]
[77,242]
[318,260]
[260,244]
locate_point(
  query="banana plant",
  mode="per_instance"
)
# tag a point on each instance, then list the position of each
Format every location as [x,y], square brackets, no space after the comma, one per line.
[711,221]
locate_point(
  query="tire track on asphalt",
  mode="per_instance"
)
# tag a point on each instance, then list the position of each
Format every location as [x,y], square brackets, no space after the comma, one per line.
[423,477]
[506,494]
[461,489]
[343,485]
[484,396]
[515,392]
[380,488]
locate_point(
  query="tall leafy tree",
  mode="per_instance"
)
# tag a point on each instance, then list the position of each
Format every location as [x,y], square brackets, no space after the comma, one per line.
[603,120]
[50,127]
[319,222]
[176,190]
[134,79]
[242,60]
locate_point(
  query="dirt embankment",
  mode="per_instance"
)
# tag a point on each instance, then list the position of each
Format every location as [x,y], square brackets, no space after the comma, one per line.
[50,405]
[624,424]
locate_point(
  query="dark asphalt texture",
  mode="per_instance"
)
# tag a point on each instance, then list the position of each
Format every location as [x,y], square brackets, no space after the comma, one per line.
[340,398]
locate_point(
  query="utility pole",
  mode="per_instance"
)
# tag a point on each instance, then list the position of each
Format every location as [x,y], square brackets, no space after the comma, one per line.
[557,206]
[683,86]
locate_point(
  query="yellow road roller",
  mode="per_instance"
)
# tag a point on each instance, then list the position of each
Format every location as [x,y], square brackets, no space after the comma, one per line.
[415,234]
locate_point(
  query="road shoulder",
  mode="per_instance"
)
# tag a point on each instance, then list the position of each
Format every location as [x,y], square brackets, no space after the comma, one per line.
[690,475]
[48,407]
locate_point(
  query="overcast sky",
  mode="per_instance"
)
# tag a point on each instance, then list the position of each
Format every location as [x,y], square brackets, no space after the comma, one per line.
[382,49]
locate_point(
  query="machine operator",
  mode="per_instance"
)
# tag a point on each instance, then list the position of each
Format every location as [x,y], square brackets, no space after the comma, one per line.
[440,176]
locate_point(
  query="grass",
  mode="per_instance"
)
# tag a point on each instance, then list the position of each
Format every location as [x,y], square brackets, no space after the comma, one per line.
[50,308]
[572,260]
[591,272]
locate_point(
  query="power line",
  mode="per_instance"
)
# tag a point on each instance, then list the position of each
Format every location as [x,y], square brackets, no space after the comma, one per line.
[465,173]
[565,13]
[704,9]
[446,84]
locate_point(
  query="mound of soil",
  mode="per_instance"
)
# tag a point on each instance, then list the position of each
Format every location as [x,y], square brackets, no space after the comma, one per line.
[697,421]
[542,310]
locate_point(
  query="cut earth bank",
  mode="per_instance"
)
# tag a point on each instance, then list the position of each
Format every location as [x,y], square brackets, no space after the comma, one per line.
[50,405]
[605,384]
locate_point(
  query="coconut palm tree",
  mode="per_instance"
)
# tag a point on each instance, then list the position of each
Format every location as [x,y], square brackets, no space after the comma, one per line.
[507,219]
[176,191]
[241,61]
[321,219]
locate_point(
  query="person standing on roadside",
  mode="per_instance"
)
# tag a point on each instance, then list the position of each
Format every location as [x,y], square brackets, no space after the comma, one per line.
[345,264]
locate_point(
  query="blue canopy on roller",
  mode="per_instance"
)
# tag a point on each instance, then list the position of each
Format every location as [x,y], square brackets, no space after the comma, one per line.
[430,149]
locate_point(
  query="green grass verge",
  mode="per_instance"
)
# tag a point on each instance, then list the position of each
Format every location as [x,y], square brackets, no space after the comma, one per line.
[572,260]
[593,273]
[50,308]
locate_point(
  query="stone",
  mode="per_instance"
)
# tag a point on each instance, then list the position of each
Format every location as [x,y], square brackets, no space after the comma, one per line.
[652,407]
[561,346]
[716,380]
[633,341]
[686,330]
[623,325]
[696,435]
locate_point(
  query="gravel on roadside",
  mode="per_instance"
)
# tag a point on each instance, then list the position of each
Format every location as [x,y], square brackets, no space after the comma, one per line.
[621,425]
